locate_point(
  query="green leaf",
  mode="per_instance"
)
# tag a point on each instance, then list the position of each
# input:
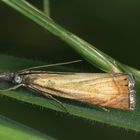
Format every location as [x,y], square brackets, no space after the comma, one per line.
[11,130]
[126,119]
[86,50]
[46,5]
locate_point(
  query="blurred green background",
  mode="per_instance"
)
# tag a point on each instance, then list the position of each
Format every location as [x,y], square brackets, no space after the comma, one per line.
[112,26]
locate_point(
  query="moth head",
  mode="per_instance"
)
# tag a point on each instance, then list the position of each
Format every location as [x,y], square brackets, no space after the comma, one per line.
[11,77]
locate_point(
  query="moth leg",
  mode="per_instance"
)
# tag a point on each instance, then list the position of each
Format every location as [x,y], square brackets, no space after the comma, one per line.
[49,96]
[12,88]
[105,109]
[59,102]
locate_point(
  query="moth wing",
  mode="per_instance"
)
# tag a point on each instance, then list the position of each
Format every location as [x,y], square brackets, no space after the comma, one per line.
[99,89]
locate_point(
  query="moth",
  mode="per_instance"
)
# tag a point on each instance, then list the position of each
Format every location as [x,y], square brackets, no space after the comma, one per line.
[102,89]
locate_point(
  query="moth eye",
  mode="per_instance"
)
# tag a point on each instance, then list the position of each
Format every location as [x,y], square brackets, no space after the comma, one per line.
[17,79]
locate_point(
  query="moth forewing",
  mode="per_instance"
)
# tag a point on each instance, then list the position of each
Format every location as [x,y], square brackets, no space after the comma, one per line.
[107,90]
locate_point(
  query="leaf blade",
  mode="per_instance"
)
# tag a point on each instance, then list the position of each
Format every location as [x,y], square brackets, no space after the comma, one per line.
[120,118]
[86,50]
[12,130]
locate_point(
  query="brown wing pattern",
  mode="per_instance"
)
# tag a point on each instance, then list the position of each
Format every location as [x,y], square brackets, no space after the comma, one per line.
[98,89]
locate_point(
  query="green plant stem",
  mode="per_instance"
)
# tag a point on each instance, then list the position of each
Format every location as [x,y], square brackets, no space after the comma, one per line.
[86,50]
[46,7]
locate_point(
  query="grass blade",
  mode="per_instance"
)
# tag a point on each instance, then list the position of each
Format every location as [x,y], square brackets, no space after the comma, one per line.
[126,119]
[86,50]
[11,130]
[46,7]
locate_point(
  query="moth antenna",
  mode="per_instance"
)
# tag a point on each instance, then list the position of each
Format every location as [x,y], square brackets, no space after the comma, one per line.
[51,65]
